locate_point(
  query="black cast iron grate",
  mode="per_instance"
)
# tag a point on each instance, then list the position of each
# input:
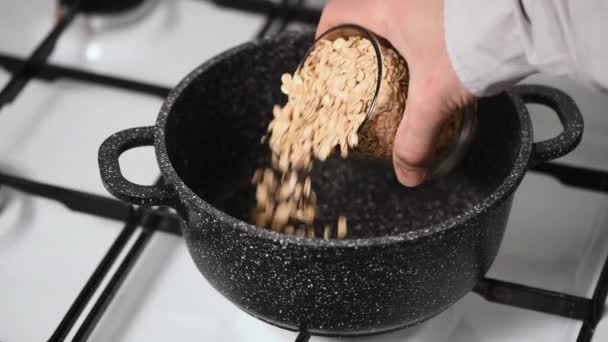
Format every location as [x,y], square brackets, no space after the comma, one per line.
[144,222]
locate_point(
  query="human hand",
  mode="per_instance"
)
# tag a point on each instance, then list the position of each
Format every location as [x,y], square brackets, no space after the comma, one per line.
[416,29]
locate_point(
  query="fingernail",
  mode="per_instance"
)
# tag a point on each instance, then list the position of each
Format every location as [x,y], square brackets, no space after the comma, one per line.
[411,177]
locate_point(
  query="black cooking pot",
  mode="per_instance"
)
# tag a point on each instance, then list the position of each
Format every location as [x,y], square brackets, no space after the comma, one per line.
[411,253]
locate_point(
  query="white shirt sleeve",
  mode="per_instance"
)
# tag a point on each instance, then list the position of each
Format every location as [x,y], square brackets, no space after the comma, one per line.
[493,44]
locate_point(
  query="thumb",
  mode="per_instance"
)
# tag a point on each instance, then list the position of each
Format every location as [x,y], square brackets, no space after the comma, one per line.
[415,138]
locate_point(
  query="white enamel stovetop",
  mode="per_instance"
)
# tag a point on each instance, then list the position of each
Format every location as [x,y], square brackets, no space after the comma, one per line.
[557,237]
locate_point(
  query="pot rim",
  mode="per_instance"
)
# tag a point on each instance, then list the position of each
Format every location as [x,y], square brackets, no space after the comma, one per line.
[508,185]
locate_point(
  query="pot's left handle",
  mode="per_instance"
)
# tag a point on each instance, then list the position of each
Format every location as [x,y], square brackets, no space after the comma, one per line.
[117,184]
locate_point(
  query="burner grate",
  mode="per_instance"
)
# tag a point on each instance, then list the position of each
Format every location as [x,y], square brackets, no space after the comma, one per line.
[51,72]
[146,221]
[24,71]
[104,6]
[94,281]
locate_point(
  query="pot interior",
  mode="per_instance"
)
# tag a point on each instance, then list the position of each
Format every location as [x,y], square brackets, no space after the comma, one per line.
[213,136]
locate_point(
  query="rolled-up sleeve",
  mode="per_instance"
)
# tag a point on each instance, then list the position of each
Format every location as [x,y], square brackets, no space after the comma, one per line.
[494,44]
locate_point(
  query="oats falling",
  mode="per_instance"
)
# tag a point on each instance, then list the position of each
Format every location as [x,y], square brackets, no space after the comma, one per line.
[328,99]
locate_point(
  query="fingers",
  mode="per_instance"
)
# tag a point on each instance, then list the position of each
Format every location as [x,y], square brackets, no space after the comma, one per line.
[414,141]
[367,13]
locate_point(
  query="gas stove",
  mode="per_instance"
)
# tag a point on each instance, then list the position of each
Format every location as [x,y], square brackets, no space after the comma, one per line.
[78,265]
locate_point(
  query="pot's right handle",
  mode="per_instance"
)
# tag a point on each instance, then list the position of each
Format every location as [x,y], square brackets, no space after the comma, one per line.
[568,113]
[117,184]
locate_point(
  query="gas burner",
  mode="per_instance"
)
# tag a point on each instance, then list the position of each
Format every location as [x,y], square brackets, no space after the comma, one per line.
[104,6]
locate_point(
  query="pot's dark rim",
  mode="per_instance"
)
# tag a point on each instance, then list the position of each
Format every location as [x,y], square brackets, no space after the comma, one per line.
[509,184]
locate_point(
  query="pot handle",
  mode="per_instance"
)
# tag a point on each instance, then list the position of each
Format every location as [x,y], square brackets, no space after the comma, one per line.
[117,184]
[568,113]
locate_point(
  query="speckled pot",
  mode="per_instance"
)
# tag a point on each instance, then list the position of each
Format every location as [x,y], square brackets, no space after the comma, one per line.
[411,253]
